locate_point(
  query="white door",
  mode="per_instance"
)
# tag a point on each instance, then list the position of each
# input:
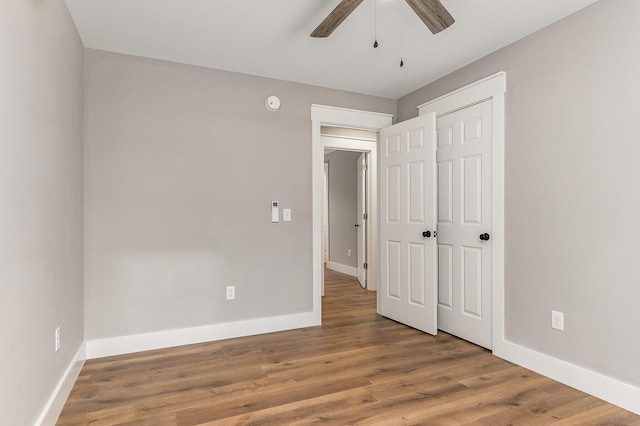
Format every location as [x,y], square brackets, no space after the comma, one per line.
[361,216]
[407,223]
[464,223]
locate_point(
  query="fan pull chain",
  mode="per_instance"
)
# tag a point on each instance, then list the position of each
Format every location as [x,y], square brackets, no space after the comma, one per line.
[401,49]
[375,24]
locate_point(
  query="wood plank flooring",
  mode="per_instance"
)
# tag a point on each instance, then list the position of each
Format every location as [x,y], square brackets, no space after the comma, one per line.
[358,368]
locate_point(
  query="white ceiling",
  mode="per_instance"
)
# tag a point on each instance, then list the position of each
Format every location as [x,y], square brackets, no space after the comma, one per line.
[270,38]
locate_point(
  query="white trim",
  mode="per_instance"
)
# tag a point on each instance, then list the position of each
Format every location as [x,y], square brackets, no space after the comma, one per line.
[349,118]
[475,92]
[492,87]
[371,148]
[346,144]
[325,216]
[339,117]
[343,269]
[186,336]
[606,388]
[358,138]
[55,404]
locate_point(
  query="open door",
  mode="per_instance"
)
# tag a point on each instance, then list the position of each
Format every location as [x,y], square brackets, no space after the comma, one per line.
[361,226]
[408,206]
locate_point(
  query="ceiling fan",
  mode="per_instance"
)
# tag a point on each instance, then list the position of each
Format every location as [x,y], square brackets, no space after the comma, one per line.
[434,15]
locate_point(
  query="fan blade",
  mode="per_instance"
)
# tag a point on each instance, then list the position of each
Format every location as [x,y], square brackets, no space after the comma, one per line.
[335,18]
[433,14]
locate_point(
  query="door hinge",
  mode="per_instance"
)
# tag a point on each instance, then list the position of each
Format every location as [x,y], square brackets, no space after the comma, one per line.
[365,216]
[365,265]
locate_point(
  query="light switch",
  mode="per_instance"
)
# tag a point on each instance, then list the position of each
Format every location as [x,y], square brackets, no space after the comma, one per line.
[275,212]
[286,215]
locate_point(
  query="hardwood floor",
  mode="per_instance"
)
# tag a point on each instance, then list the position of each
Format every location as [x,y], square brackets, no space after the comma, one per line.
[358,368]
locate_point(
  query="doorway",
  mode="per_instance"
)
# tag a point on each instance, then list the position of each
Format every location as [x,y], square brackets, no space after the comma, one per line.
[341,206]
[322,115]
[352,156]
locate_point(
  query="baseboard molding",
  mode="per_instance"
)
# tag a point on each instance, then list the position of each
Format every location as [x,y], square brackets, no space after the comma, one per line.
[344,269]
[186,336]
[606,388]
[56,402]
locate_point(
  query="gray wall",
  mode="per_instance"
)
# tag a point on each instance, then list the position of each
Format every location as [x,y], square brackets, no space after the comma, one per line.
[181,164]
[40,203]
[572,174]
[343,207]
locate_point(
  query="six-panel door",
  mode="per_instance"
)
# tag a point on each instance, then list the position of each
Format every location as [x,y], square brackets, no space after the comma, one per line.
[464,215]
[407,215]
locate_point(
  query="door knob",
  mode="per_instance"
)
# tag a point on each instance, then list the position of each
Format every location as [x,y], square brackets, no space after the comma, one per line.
[485,237]
[426,234]
[356,225]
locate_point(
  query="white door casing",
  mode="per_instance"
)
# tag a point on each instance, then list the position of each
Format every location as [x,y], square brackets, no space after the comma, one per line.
[361,223]
[408,188]
[325,215]
[464,223]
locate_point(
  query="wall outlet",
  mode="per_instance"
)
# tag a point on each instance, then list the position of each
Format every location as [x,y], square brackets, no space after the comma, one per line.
[231,292]
[557,320]
[349,252]
[57,339]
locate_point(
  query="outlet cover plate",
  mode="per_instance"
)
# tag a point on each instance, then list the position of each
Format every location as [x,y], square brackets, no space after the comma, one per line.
[557,320]
[231,292]
[57,337]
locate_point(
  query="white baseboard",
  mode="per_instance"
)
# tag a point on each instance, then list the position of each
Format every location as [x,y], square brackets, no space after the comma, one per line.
[349,270]
[186,336]
[54,406]
[606,388]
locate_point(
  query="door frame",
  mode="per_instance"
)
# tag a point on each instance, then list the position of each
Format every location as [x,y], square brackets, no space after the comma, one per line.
[363,206]
[370,148]
[323,115]
[325,214]
[492,88]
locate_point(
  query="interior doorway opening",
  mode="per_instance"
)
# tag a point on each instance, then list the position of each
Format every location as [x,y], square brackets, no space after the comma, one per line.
[328,116]
[349,157]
